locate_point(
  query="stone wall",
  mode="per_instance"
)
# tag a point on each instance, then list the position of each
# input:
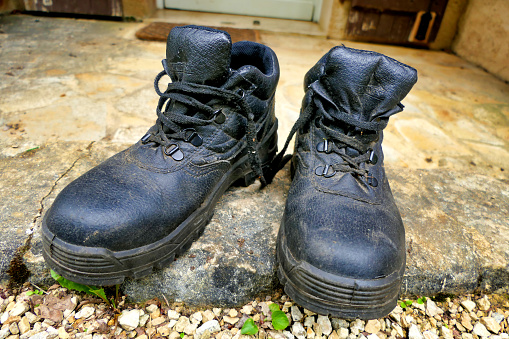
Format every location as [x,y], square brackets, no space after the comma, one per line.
[483,36]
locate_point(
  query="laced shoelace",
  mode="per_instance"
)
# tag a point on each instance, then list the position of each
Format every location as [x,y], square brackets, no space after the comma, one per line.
[337,141]
[172,126]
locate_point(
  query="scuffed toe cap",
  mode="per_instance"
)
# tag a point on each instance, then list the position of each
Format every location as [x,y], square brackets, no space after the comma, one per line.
[345,237]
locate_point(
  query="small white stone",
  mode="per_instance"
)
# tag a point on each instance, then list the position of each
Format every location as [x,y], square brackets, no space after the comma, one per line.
[172,314]
[151,308]
[298,330]
[4,333]
[343,333]
[247,309]
[414,332]
[484,303]
[296,313]
[467,336]
[325,324]
[372,336]
[432,309]
[129,320]
[469,305]
[498,317]
[190,329]
[480,330]
[196,318]
[143,320]
[230,320]
[24,325]
[288,335]
[429,335]
[52,330]
[181,324]
[212,326]
[491,324]
[216,311]
[357,326]
[62,333]
[172,323]
[40,335]
[446,333]
[309,321]
[85,313]
[19,309]
[372,326]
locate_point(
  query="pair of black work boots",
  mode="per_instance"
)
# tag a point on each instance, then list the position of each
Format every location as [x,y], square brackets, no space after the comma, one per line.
[341,245]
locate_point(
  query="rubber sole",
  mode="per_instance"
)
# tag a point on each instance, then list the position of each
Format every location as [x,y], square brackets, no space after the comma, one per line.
[333,295]
[102,267]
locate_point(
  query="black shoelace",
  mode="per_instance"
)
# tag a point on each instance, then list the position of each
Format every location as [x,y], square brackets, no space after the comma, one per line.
[337,141]
[174,126]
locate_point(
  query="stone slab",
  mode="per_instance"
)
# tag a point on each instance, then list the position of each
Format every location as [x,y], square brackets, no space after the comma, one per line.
[456,222]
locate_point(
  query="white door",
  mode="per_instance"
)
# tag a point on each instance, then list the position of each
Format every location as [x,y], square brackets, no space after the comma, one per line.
[307,10]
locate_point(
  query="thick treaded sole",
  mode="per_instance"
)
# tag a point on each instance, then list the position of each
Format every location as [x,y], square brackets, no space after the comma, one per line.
[102,267]
[333,295]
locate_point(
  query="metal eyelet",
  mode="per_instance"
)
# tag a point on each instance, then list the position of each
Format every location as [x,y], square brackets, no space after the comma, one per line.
[324,146]
[371,180]
[144,139]
[325,171]
[174,151]
[193,137]
[219,117]
[373,158]
[240,92]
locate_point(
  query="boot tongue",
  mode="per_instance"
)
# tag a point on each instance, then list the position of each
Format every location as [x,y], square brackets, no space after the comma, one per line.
[365,84]
[198,55]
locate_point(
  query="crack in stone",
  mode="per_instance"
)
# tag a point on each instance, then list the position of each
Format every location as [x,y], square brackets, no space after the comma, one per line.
[41,203]
[18,271]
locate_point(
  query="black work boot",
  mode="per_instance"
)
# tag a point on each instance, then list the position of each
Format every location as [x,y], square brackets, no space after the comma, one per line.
[137,210]
[341,245]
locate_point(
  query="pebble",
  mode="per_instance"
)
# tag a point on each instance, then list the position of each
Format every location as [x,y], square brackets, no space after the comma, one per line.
[172,314]
[212,326]
[414,332]
[85,313]
[296,313]
[4,333]
[339,323]
[469,305]
[309,321]
[343,333]
[446,333]
[19,309]
[491,324]
[158,321]
[373,326]
[247,309]
[181,324]
[325,324]
[298,330]
[483,303]
[357,326]
[432,309]
[231,320]
[129,320]
[429,335]
[196,318]
[480,330]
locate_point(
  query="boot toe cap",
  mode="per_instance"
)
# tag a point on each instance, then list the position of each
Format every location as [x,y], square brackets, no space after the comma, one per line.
[348,239]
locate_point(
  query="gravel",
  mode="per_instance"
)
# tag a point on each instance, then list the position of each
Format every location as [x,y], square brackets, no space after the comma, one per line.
[60,313]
